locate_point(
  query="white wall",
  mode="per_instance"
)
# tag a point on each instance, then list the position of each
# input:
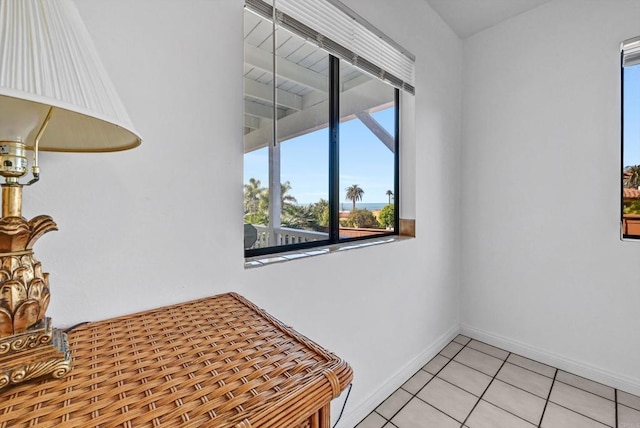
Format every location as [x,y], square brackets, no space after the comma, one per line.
[544,269]
[162,223]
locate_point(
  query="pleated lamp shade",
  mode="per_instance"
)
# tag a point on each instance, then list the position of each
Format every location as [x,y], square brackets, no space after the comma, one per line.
[47,59]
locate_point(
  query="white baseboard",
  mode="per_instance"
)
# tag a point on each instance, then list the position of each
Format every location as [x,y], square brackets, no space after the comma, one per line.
[352,417]
[615,380]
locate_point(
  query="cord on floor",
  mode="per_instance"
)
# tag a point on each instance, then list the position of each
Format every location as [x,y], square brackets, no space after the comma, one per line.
[344,405]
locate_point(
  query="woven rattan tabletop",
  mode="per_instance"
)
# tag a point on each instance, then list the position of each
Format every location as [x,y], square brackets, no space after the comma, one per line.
[214,362]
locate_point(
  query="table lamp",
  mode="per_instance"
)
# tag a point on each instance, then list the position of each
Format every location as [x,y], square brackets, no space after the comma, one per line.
[56,96]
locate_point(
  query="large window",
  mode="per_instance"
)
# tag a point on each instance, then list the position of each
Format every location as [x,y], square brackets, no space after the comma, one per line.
[631,139]
[320,142]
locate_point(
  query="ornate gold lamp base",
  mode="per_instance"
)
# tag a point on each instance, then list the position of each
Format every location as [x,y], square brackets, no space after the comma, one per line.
[29,346]
[40,351]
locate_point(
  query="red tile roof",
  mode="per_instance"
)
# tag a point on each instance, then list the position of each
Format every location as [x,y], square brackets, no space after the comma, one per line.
[629,193]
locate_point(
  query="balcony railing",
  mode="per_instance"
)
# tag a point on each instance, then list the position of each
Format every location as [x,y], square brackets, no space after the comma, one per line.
[285,236]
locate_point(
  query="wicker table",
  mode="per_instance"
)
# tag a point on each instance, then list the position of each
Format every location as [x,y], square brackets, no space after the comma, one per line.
[214,362]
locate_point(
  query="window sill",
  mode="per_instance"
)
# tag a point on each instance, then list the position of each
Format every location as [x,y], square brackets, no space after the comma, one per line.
[266,260]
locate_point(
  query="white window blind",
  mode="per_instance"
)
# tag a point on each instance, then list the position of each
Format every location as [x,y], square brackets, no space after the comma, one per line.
[631,52]
[341,32]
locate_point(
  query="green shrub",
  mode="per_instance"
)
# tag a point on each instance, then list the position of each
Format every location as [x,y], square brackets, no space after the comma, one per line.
[387,216]
[632,208]
[361,218]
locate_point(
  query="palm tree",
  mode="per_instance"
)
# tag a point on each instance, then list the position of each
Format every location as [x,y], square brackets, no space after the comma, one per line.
[286,199]
[354,193]
[252,195]
[390,195]
[300,217]
[631,176]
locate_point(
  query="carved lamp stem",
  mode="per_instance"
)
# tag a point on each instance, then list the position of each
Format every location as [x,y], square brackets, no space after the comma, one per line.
[11,200]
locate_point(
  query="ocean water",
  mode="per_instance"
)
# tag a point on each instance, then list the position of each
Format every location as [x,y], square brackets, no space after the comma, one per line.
[371,206]
[346,206]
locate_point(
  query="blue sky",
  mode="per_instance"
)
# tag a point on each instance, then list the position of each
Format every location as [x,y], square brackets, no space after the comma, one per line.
[364,160]
[632,116]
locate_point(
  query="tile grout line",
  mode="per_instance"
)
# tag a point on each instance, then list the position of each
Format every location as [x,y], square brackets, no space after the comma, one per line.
[440,411]
[388,423]
[546,403]
[457,386]
[495,378]
[379,414]
[486,353]
[582,414]
[521,356]
[522,389]
[500,380]
[504,362]
[510,384]
[615,403]
[566,408]
[584,390]
[501,408]
[586,378]
[423,386]
[577,412]
[485,390]
[436,375]
[626,406]
[532,371]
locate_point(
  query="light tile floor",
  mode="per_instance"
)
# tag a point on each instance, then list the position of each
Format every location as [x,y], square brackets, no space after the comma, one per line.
[474,385]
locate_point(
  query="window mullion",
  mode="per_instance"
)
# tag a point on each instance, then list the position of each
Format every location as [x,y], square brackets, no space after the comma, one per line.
[334,149]
[396,165]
